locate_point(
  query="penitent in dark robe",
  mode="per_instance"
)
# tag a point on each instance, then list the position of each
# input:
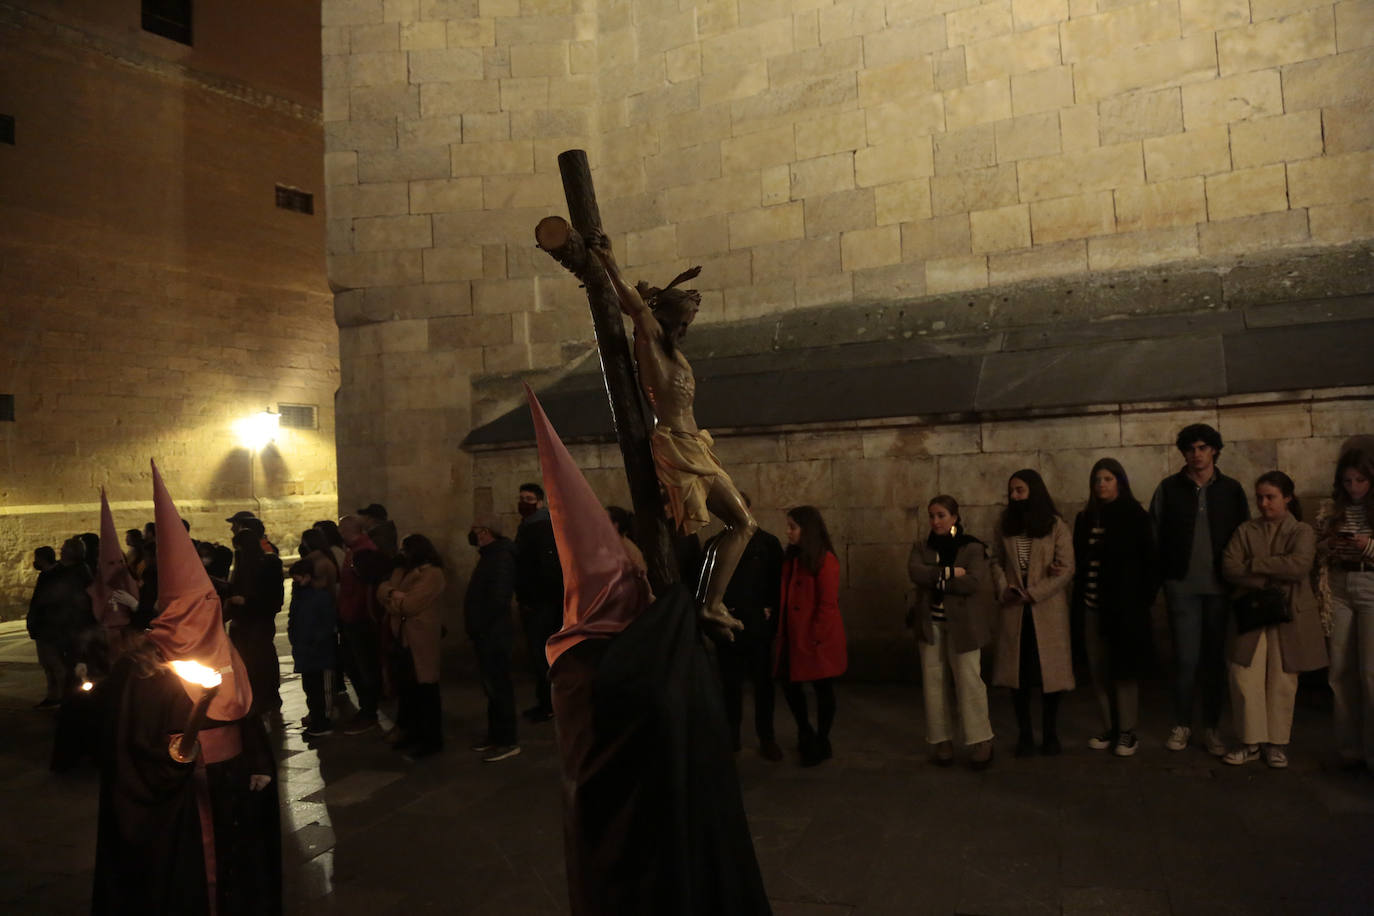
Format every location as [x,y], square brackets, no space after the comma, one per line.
[654,820]
[196,837]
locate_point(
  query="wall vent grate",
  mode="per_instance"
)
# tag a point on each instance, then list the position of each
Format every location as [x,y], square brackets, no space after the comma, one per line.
[295,199]
[298,416]
[168,18]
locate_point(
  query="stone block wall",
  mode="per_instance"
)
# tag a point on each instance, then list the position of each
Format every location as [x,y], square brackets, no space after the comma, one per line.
[807,153]
[151,293]
[872,483]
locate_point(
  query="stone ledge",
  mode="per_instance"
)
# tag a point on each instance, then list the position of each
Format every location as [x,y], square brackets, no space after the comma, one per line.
[1087,343]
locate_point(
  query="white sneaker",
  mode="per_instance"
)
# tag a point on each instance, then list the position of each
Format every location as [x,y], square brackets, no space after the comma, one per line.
[502,753]
[1102,742]
[1178,737]
[1274,756]
[1215,746]
[1246,753]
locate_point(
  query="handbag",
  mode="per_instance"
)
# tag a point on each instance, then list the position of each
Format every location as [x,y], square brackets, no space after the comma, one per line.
[1261,608]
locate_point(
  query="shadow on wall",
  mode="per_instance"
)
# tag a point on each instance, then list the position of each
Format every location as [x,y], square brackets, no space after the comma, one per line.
[244,474]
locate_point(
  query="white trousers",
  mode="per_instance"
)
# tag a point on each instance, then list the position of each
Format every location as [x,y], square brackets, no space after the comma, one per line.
[1351,674]
[940,663]
[1263,694]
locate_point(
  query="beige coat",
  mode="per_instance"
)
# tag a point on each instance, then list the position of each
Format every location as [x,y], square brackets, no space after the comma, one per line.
[969,602]
[1280,554]
[1049,608]
[411,601]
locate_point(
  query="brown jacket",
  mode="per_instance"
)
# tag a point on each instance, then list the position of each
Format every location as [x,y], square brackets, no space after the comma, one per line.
[411,600]
[969,600]
[1049,608]
[1280,554]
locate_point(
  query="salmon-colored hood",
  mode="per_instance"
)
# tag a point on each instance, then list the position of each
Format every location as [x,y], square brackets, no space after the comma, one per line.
[603,592]
[191,624]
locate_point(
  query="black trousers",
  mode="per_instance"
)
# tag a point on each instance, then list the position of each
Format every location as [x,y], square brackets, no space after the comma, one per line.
[316,699]
[419,714]
[825,708]
[748,659]
[539,624]
[362,662]
[493,667]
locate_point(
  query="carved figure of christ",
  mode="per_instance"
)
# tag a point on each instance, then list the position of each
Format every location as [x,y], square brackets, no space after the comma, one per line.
[693,479]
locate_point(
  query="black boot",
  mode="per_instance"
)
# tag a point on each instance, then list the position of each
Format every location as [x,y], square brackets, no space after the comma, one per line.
[1025,742]
[1050,705]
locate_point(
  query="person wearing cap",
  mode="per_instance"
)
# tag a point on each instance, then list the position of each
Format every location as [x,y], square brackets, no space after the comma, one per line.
[380,528]
[364,569]
[175,835]
[255,598]
[412,599]
[245,519]
[487,619]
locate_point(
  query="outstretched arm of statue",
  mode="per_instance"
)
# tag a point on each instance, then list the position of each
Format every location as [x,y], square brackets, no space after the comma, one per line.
[630,302]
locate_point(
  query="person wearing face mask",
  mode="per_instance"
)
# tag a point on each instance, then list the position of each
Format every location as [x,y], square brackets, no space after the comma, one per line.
[487,620]
[1345,556]
[1033,568]
[1114,586]
[1275,627]
[539,591]
[950,571]
[412,600]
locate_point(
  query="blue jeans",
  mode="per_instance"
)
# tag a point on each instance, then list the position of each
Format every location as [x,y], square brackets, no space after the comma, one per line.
[1199,625]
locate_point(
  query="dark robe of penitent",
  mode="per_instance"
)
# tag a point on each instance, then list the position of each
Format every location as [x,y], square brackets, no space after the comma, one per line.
[184,838]
[654,820]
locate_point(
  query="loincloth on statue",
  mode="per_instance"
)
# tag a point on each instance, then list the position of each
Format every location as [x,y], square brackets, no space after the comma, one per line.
[686,469]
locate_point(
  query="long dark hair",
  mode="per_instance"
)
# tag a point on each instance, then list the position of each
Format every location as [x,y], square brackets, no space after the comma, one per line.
[1123,485]
[1363,462]
[1284,484]
[1037,520]
[419,550]
[623,519]
[330,529]
[247,556]
[815,537]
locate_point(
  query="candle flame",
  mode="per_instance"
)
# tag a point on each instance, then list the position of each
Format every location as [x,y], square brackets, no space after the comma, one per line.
[86,685]
[196,673]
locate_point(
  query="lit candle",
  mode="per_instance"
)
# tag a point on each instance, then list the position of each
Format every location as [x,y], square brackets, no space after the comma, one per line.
[183,747]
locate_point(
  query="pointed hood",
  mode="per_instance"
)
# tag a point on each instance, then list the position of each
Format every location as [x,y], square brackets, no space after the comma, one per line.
[191,624]
[111,572]
[602,590]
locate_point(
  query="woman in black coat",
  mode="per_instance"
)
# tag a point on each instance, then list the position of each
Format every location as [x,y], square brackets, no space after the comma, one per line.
[1115,583]
[255,589]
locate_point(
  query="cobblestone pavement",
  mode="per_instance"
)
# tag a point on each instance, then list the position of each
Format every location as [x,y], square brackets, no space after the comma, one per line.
[876,832]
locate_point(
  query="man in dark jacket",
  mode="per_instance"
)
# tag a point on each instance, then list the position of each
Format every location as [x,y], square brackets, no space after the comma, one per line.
[752,596]
[364,568]
[43,624]
[539,589]
[1195,512]
[486,617]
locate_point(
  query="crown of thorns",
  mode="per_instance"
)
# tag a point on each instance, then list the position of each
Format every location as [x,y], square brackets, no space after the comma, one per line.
[668,296]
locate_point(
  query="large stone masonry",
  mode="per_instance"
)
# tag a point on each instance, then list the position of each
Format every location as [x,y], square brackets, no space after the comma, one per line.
[811,155]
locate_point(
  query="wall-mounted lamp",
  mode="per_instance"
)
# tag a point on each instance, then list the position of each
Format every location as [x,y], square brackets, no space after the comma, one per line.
[258,431]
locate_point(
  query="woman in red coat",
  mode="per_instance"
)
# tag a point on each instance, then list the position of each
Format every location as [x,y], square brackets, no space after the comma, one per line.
[810,645]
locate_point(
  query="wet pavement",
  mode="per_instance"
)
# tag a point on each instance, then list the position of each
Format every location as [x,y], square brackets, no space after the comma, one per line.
[878,831]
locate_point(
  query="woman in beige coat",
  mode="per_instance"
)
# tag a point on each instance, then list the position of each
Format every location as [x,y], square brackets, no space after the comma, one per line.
[1033,566]
[1275,551]
[411,599]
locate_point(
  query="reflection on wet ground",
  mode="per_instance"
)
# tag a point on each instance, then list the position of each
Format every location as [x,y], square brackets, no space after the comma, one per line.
[876,832]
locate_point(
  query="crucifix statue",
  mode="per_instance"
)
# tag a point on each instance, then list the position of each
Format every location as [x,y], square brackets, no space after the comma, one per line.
[666,452]
[695,483]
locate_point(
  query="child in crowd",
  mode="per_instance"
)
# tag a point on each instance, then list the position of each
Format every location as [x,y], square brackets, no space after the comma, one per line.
[311,626]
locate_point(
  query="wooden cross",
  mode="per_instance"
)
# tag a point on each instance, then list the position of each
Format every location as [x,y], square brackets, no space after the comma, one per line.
[633,421]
